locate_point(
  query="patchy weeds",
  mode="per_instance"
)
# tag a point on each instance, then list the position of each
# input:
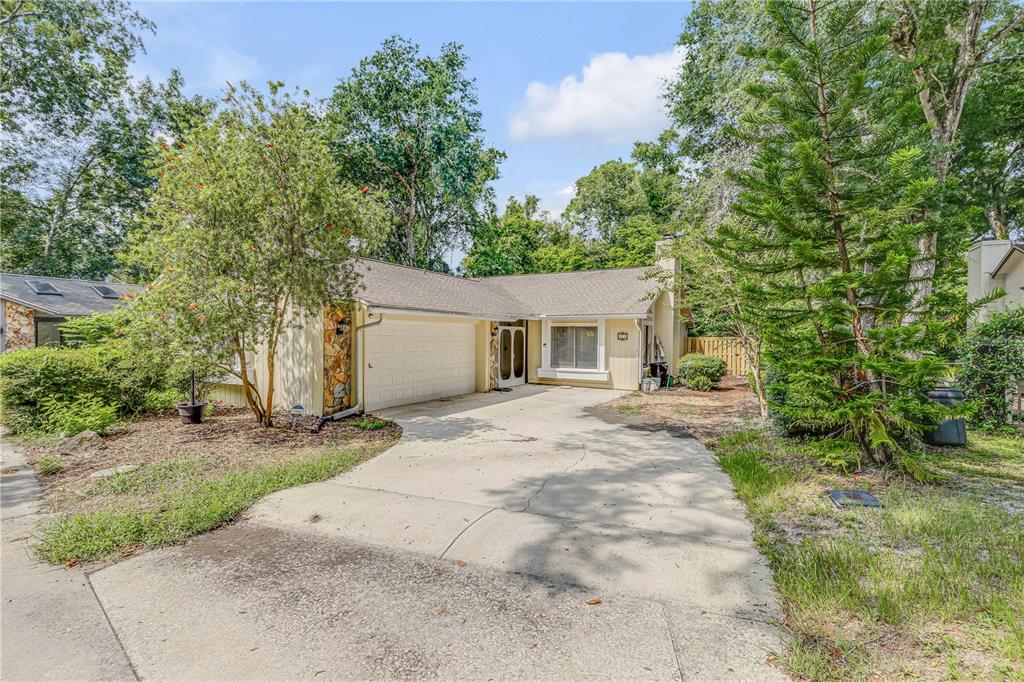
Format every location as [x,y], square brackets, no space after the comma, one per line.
[157,481]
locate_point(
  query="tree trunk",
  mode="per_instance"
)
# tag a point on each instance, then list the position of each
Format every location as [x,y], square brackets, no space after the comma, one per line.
[252,397]
[752,349]
[268,412]
[410,225]
[944,117]
[996,221]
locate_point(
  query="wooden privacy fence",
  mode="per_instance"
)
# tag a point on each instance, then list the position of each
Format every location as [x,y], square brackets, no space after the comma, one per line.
[728,348]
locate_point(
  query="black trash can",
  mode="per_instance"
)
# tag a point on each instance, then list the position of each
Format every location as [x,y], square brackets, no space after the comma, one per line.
[950,431]
[660,370]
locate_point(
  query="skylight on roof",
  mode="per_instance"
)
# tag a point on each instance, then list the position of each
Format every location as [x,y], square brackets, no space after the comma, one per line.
[105,291]
[41,287]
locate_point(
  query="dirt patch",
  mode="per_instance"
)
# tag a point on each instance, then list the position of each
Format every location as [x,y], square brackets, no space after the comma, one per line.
[229,440]
[703,415]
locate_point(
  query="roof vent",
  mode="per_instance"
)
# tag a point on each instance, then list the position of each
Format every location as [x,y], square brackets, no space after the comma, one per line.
[105,291]
[44,288]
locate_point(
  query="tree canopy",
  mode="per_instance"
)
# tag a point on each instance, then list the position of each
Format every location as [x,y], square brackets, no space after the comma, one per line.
[408,127]
[250,231]
[77,134]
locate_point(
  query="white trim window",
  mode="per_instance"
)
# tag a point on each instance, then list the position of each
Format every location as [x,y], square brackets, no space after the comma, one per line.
[573,350]
[574,346]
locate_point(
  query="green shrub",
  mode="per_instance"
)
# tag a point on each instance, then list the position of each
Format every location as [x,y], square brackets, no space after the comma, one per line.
[164,401]
[120,374]
[991,358]
[29,376]
[696,365]
[84,413]
[700,383]
[776,395]
[835,453]
[370,423]
[48,466]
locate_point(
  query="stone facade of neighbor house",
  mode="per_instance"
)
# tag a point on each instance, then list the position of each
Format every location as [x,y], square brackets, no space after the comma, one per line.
[337,361]
[492,330]
[19,326]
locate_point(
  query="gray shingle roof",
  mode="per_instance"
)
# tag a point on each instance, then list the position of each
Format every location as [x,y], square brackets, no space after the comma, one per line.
[570,294]
[77,297]
[626,291]
[397,286]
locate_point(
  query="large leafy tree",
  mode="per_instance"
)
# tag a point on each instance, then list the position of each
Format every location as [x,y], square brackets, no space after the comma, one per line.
[76,133]
[946,45]
[61,62]
[831,210]
[507,245]
[621,208]
[87,191]
[707,95]
[989,157]
[408,127]
[251,231]
[962,59]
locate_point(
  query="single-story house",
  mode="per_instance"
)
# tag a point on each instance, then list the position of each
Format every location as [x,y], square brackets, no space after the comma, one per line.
[414,335]
[996,264]
[33,306]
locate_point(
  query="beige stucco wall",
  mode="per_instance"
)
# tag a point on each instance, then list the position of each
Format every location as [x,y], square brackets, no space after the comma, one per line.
[668,328]
[301,355]
[19,326]
[982,259]
[298,372]
[621,357]
[229,395]
[1014,284]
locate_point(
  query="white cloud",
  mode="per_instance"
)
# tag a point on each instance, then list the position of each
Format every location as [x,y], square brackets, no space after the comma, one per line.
[230,65]
[618,99]
[555,202]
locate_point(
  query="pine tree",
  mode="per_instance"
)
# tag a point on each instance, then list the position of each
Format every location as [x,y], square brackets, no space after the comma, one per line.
[833,205]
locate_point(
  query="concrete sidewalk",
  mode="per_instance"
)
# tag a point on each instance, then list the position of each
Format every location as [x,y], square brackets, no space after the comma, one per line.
[53,627]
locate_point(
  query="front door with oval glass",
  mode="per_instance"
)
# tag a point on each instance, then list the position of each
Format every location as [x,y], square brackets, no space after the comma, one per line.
[511,356]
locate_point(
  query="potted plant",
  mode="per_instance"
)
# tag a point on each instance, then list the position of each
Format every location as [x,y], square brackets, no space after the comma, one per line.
[192,411]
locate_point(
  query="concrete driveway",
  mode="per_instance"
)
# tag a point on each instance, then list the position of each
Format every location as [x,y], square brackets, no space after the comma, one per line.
[470,550]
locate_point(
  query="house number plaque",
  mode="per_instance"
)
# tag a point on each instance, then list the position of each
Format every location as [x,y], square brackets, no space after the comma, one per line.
[622,336]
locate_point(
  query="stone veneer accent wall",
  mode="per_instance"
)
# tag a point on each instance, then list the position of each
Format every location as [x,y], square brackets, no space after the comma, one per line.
[337,361]
[19,326]
[492,333]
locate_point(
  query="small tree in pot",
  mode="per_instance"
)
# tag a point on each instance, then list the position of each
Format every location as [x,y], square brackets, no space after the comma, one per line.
[249,229]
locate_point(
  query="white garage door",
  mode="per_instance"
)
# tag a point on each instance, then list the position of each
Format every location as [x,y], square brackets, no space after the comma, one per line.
[408,362]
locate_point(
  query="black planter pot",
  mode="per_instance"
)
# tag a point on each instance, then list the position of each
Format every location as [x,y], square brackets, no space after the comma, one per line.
[191,413]
[950,431]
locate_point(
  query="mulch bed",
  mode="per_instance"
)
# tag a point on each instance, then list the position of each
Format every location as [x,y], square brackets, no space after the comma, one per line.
[229,440]
[706,415]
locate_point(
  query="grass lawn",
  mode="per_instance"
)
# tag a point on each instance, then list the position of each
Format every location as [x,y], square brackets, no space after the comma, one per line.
[183,479]
[930,586]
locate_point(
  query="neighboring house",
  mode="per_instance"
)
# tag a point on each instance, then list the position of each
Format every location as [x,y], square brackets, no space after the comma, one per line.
[33,306]
[993,265]
[415,335]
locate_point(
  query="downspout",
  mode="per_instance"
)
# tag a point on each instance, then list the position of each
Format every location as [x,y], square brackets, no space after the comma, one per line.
[319,424]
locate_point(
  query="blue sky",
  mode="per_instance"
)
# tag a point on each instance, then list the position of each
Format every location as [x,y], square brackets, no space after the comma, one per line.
[562,86]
